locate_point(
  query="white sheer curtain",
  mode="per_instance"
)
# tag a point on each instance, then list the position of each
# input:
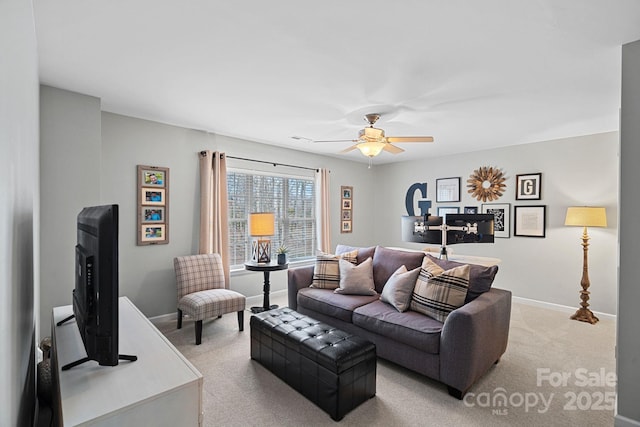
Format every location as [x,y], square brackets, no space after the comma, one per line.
[323,223]
[214,229]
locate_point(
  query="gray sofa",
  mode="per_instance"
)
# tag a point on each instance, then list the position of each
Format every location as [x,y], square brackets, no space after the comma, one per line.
[457,352]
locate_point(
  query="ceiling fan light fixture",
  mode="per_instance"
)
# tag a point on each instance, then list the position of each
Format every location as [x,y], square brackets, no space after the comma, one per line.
[371,134]
[370,148]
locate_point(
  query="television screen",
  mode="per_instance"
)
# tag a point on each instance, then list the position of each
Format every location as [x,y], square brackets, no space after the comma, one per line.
[95,295]
[414,229]
[469,228]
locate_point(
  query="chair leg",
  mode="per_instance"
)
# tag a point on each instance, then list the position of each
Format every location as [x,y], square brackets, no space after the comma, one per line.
[198,332]
[241,320]
[179,319]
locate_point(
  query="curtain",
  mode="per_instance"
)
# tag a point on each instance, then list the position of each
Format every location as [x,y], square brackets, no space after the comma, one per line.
[323,223]
[214,229]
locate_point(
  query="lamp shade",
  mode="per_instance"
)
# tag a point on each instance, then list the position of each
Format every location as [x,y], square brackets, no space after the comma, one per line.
[261,224]
[585,216]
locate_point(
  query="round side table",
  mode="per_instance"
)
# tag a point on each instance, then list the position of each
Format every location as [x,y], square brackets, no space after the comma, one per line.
[266,268]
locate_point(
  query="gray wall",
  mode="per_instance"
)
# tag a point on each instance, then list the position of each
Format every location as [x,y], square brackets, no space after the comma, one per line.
[575,171]
[70,162]
[90,157]
[18,211]
[146,274]
[628,340]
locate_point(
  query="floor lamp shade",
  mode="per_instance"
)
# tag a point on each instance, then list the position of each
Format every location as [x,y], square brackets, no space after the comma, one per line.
[584,216]
[261,225]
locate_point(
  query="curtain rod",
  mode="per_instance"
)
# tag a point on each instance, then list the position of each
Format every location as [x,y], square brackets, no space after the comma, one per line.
[268,163]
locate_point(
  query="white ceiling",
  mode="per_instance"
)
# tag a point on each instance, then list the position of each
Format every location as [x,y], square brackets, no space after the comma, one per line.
[473,74]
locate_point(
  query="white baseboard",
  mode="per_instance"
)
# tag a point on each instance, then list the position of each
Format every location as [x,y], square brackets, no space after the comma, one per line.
[620,421]
[257,299]
[558,307]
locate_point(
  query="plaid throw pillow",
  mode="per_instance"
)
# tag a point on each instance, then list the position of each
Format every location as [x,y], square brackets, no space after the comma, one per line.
[326,273]
[437,292]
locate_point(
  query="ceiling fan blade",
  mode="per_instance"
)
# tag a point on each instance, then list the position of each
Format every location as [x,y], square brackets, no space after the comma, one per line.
[410,138]
[346,150]
[336,140]
[392,148]
[302,138]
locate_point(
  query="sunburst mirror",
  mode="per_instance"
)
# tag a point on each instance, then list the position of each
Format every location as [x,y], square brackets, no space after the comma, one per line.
[486,183]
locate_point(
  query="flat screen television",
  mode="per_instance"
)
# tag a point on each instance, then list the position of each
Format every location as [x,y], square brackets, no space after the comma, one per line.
[95,295]
[425,235]
[458,228]
[481,226]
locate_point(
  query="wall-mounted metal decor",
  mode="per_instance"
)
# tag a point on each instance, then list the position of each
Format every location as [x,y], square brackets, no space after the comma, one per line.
[486,184]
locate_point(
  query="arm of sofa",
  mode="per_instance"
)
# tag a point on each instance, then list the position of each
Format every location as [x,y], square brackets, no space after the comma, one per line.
[298,278]
[473,338]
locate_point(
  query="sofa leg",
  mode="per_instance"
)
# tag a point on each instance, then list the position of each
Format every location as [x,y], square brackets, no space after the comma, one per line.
[179,319]
[241,320]
[455,392]
[198,332]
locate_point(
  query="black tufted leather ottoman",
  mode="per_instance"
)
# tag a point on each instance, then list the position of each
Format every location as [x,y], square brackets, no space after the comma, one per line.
[332,368]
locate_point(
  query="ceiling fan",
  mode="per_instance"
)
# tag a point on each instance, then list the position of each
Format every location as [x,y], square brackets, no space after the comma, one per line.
[371,141]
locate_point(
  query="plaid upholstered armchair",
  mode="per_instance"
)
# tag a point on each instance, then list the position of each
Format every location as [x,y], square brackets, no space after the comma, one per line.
[202,291]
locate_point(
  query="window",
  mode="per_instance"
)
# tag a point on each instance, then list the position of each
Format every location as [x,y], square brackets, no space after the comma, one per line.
[291,198]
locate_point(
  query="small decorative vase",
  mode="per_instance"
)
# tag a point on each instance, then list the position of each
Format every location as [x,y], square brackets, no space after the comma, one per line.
[282,259]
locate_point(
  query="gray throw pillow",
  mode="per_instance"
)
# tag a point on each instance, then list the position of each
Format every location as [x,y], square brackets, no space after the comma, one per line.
[387,260]
[398,289]
[356,279]
[326,273]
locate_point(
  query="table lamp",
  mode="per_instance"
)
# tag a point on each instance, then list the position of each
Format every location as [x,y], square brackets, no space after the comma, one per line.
[261,225]
[584,216]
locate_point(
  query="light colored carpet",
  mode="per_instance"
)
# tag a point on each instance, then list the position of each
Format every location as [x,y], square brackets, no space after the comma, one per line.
[240,392]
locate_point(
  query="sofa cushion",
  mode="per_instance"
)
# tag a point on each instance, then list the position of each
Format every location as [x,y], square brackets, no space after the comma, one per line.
[386,261]
[327,302]
[363,253]
[326,273]
[356,279]
[411,328]
[438,292]
[398,289]
[480,277]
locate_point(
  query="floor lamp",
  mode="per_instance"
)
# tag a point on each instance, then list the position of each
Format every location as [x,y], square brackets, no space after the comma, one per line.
[584,216]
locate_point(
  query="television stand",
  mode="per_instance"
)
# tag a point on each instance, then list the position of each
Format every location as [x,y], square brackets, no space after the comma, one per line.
[134,393]
[87,359]
[65,320]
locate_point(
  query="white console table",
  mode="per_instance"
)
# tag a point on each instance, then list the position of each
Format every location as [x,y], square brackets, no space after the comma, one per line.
[160,388]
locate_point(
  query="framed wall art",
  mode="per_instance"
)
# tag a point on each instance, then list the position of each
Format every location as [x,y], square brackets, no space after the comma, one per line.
[528,186]
[444,210]
[346,209]
[502,218]
[153,214]
[153,205]
[153,233]
[529,221]
[448,190]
